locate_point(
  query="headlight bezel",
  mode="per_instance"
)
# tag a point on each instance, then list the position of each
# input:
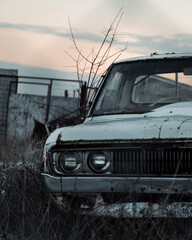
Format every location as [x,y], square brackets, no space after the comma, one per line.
[98,157]
[83,155]
[67,168]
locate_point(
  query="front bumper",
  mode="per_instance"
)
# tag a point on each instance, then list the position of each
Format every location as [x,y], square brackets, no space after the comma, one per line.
[98,184]
[64,187]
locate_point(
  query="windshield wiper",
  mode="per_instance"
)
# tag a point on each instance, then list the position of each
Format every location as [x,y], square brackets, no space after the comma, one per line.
[134,112]
[122,112]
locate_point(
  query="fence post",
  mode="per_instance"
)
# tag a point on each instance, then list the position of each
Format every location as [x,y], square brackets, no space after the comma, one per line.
[48,100]
[83,99]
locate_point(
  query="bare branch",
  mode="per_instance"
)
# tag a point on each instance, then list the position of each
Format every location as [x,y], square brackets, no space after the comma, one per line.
[93,63]
[74,42]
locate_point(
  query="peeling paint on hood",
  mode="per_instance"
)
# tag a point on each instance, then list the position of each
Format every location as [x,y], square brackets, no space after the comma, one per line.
[170,121]
[52,139]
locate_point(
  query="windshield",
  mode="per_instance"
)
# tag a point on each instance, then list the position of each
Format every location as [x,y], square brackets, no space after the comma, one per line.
[138,87]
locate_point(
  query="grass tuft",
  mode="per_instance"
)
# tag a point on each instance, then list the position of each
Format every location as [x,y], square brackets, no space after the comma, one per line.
[27,211]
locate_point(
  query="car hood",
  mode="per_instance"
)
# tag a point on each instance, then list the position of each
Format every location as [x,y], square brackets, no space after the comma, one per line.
[173,121]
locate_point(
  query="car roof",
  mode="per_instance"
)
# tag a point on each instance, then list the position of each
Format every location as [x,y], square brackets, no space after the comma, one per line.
[156,56]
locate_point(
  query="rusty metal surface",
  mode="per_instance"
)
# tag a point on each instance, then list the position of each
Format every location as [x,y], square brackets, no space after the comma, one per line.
[173,122]
[83,192]
[129,209]
[117,184]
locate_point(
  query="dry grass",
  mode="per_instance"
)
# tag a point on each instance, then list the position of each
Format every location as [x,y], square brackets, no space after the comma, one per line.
[28,213]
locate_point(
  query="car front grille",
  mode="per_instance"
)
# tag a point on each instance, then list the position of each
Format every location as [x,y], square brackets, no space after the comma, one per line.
[153,161]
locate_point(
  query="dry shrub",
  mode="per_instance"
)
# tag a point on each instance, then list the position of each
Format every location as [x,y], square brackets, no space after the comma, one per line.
[27,211]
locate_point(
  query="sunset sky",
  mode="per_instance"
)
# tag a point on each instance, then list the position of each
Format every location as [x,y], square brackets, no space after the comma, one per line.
[35,33]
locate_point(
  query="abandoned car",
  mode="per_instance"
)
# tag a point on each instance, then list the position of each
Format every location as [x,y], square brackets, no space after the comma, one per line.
[132,156]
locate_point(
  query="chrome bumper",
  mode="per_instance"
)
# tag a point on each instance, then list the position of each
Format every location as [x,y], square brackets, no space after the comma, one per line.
[94,184]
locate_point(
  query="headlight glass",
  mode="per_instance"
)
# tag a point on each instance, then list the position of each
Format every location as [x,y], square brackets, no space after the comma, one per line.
[98,162]
[69,162]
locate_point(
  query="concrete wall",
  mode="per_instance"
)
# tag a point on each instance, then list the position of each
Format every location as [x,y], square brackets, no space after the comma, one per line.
[5,90]
[60,106]
[24,109]
[18,111]
[22,112]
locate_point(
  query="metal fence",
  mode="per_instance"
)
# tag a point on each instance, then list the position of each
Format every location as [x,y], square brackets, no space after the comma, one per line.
[48,86]
[52,99]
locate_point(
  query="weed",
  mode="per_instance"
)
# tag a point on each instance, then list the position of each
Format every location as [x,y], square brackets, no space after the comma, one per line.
[27,211]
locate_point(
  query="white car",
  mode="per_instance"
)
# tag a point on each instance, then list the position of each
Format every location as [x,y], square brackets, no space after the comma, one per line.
[132,156]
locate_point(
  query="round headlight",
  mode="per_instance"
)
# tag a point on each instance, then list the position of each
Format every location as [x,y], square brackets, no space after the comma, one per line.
[98,162]
[69,162]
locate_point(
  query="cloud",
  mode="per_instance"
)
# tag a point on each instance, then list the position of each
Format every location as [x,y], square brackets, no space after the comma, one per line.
[175,43]
[53,31]
[143,44]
